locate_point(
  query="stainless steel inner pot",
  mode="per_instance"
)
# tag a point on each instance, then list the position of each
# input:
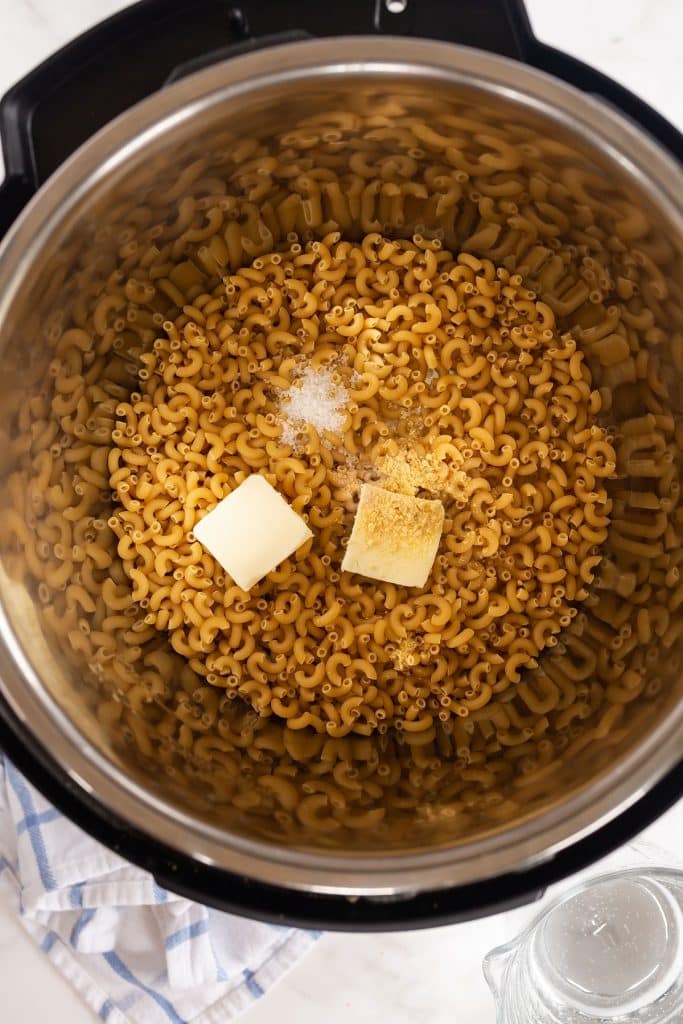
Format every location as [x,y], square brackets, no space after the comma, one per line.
[72,232]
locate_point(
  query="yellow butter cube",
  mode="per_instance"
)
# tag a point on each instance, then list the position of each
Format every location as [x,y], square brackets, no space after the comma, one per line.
[251,531]
[395,537]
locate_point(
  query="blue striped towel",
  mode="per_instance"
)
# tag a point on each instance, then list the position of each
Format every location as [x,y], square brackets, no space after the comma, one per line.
[136,953]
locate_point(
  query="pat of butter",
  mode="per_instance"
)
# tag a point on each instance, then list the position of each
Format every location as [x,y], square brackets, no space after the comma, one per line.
[395,537]
[251,531]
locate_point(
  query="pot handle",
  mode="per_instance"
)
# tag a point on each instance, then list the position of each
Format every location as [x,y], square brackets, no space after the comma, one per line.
[500,26]
[71,95]
[15,192]
[234,50]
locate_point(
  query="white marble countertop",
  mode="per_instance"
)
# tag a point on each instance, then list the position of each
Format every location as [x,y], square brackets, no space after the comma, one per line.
[433,974]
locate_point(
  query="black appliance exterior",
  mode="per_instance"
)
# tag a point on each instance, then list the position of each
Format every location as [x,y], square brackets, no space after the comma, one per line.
[56,108]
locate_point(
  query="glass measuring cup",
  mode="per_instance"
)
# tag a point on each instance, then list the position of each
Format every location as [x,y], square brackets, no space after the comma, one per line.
[611,947]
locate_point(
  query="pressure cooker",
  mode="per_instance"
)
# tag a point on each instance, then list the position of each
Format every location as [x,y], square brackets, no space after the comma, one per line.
[119,115]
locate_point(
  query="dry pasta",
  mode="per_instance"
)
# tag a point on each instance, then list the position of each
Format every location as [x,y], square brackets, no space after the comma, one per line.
[379,304]
[465,278]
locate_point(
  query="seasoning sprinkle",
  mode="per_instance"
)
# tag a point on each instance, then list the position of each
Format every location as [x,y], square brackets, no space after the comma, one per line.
[405,654]
[408,470]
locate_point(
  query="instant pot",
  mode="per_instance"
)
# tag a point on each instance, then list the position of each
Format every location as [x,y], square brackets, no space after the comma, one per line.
[173,77]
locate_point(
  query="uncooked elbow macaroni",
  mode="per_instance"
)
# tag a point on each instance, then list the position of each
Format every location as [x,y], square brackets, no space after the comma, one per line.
[477,294]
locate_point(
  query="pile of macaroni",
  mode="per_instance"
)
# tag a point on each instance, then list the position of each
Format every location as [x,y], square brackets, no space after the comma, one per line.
[452,355]
[195,306]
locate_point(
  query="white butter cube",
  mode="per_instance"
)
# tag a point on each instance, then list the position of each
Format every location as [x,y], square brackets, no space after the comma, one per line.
[251,531]
[395,537]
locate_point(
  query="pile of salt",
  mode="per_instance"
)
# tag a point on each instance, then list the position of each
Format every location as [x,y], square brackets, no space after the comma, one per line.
[315,399]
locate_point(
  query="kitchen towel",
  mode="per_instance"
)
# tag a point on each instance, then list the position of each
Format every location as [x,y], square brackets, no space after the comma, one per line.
[136,953]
